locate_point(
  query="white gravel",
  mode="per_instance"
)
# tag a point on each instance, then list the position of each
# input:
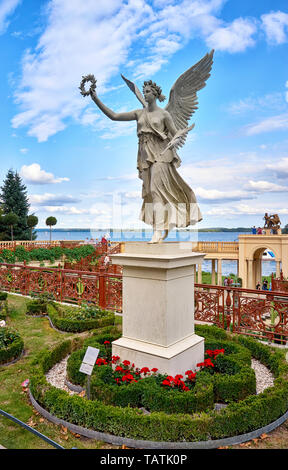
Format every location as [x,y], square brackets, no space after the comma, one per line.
[264,377]
[56,376]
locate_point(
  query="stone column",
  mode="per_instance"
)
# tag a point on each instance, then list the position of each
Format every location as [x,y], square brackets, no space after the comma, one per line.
[213,280]
[199,273]
[158,307]
[219,272]
[250,274]
[278,269]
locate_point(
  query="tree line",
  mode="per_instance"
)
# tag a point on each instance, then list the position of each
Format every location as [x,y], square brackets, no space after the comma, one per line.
[15,221]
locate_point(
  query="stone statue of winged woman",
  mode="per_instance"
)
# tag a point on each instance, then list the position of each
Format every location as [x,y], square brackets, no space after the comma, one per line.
[168,201]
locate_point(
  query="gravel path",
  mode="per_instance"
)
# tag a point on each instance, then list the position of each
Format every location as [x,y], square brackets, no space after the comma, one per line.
[264,377]
[56,376]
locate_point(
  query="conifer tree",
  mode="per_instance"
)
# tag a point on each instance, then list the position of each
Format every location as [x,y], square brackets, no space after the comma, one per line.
[13,198]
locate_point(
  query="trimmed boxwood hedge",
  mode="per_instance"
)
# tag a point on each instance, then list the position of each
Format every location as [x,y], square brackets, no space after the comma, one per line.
[75,359]
[36,308]
[236,382]
[237,418]
[14,349]
[77,326]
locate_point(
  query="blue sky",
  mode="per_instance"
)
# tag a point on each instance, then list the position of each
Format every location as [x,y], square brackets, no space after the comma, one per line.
[81,167]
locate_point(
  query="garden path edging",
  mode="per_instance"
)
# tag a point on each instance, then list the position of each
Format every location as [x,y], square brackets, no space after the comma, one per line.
[141,444]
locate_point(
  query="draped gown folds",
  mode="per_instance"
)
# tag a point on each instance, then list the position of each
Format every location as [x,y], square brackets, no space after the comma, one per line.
[168,201]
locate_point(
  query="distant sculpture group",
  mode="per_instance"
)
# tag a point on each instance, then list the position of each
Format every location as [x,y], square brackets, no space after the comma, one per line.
[168,201]
[272,221]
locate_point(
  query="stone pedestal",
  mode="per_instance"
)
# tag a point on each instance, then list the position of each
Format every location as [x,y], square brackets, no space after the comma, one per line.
[158,307]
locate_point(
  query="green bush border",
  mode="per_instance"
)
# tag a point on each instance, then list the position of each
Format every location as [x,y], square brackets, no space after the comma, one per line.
[13,351]
[237,382]
[77,326]
[237,418]
[75,359]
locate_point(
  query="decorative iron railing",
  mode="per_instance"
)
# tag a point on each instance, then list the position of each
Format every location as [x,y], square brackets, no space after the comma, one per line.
[261,314]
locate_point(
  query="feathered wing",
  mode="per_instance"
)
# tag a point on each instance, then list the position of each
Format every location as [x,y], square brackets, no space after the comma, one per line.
[183,95]
[135,90]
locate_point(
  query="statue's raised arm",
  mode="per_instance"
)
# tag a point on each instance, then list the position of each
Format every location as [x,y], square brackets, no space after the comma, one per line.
[128,116]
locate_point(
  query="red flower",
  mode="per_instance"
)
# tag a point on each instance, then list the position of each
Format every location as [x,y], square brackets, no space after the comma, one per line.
[166,382]
[115,359]
[106,342]
[154,370]
[192,376]
[101,362]
[119,369]
[144,370]
[126,363]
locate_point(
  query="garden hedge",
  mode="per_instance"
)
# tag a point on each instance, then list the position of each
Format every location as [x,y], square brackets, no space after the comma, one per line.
[13,350]
[97,341]
[77,326]
[237,418]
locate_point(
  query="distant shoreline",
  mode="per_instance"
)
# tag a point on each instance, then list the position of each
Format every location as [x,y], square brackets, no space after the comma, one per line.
[88,230]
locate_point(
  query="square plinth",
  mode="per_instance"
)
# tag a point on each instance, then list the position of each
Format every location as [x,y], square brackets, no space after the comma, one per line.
[158,307]
[175,359]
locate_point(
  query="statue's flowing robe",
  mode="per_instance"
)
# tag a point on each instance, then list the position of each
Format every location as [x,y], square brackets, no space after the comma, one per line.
[167,200]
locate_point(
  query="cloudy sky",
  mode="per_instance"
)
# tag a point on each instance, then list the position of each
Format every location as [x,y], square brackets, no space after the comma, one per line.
[81,167]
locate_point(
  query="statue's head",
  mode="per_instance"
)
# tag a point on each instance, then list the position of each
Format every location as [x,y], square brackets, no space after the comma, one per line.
[155,89]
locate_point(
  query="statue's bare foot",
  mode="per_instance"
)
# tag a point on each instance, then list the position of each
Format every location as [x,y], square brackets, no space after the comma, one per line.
[157,237]
[165,235]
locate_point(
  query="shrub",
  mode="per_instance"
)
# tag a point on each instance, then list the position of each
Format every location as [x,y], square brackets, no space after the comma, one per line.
[11,345]
[68,319]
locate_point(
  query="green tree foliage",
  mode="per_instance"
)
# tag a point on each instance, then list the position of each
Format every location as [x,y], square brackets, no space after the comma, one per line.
[32,221]
[11,220]
[50,221]
[285,229]
[13,198]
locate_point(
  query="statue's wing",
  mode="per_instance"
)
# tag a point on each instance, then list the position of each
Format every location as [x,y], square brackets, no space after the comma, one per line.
[183,94]
[135,90]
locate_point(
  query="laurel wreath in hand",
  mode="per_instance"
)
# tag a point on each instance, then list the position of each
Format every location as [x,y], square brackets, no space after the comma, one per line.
[87,78]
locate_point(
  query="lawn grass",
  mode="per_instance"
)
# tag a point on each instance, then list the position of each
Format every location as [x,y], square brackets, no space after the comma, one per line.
[37,335]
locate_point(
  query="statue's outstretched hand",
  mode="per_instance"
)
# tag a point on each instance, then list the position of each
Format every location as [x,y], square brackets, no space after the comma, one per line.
[92,89]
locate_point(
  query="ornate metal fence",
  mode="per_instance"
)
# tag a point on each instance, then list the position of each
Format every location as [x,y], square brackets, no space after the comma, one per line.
[99,288]
[261,314]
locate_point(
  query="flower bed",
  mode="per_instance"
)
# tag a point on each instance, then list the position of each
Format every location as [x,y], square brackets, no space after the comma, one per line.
[11,345]
[237,418]
[222,378]
[78,319]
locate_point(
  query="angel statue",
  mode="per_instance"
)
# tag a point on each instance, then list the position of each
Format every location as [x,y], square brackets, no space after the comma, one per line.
[168,201]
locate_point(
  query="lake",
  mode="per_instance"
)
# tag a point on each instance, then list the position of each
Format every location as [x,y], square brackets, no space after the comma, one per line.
[228,266]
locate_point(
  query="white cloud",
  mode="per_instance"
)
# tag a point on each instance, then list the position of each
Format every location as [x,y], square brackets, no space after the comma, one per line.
[74,210]
[280,168]
[265,187]
[80,38]
[235,37]
[275,25]
[7,7]
[34,175]
[270,124]
[98,37]
[217,196]
[51,199]
[269,101]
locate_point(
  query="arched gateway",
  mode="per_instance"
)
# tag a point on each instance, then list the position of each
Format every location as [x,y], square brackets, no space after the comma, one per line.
[251,249]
